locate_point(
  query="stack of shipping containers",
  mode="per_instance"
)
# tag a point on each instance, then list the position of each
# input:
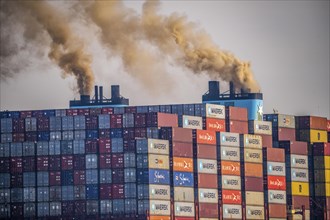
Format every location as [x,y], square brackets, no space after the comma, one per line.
[297,181]
[236,120]
[229,181]
[274,183]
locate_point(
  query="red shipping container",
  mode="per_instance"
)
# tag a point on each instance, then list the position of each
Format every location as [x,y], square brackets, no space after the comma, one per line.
[91,146]
[117,160]
[29,164]
[67,208]
[140,132]
[95,111]
[286,134]
[236,113]
[105,145]
[54,178]
[79,162]
[26,114]
[79,177]
[214,124]
[105,191]
[207,181]
[241,127]
[140,120]
[31,136]
[16,210]
[117,191]
[116,121]
[182,149]
[208,210]
[231,197]
[83,111]
[18,137]
[54,163]
[129,146]
[158,119]
[91,122]
[18,125]
[321,149]
[80,208]
[118,175]
[274,154]
[294,147]
[176,134]
[276,182]
[43,124]
[105,161]
[276,211]
[206,151]
[253,184]
[67,162]
[328,125]
[205,137]
[16,180]
[297,201]
[267,140]
[104,133]
[130,109]
[71,112]
[16,165]
[4,165]
[311,122]
[107,110]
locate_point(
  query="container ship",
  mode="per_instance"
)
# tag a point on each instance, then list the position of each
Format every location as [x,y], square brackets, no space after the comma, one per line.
[218,159]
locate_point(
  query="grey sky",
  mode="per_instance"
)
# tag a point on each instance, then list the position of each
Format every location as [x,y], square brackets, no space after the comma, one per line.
[287,43]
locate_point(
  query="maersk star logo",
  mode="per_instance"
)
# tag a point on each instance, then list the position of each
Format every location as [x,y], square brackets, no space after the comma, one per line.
[260,112]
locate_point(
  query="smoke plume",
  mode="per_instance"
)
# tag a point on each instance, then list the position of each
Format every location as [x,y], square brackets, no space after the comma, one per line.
[66,49]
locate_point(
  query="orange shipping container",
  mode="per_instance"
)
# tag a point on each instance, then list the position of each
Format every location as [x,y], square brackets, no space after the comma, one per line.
[276,182]
[231,197]
[253,169]
[230,168]
[213,124]
[159,217]
[183,164]
[205,137]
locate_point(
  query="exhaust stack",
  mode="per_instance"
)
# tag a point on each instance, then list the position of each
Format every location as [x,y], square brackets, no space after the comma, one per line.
[96,94]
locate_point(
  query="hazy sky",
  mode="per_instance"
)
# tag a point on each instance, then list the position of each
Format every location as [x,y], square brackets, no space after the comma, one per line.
[287,43]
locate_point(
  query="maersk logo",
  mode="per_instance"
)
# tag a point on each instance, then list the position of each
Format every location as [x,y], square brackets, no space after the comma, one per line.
[231,182]
[252,141]
[255,212]
[184,209]
[299,174]
[159,207]
[209,166]
[298,161]
[229,153]
[190,122]
[263,127]
[232,211]
[253,155]
[159,192]
[229,139]
[275,168]
[277,196]
[216,111]
[158,146]
[208,195]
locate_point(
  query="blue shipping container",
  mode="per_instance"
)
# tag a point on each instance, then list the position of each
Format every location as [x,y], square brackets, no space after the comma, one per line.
[159,176]
[183,179]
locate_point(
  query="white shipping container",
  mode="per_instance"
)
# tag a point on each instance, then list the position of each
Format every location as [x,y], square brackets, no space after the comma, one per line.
[184,209]
[229,139]
[286,121]
[260,127]
[277,196]
[252,155]
[183,194]
[158,161]
[207,166]
[299,175]
[254,198]
[232,211]
[192,122]
[231,182]
[157,146]
[208,195]
[215,111]
[251,141]
[230,153]
[159,207]
[255,212]
[275,169]
[162,192]
[298,161]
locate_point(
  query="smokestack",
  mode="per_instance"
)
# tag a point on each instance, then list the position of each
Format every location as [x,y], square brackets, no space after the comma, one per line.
[231,89]
[214,88]
[84,99]
[96,92]
[115,94]
[101,94]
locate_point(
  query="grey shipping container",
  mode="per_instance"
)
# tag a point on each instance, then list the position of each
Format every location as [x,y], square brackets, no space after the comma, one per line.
[6,138]
[79,122]
[4,211]
[142,161]
[16,149]
[67,135]
[55,193]
[117,145]
[55,123]
[4,150]
[79,135]
[28,149]
[104,121]
[42,148]
[43,209]
[91,161]
[79,146]
[130,190]
[129,160]
[153,132]
[131,206]
[43,194]
[92,207]
[143,191]
[4,180]
[141,109]
[119,110]
[54,147]
[91,177]
[29,194]
[128,120]
[29,209]
[67,123]
[42,178]
[30,124]
[105,176]
[79,192]
[143,206]
[55,135]
[130,175]
[105,207]
[16,195]
[4,195]
[118,206]
[60,112]
[6,125]
[29,179]
[66,147]
[55,209]
[67,193]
